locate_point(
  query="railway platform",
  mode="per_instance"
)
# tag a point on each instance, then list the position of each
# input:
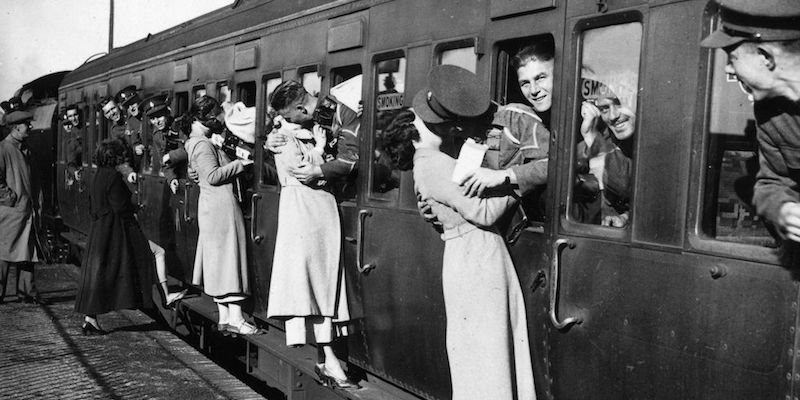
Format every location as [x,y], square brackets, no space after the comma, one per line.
[43,354]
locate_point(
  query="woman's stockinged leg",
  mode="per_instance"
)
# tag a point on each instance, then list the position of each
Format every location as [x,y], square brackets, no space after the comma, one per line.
[332,364]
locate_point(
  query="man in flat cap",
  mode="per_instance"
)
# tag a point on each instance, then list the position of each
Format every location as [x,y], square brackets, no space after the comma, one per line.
[762,40]
[128,100]
[18,204]
[169,155]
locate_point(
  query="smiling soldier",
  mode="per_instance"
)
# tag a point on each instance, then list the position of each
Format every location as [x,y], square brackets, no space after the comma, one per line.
[762,41]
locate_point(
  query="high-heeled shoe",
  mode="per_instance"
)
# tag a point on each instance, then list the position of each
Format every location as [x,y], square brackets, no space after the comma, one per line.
[242,328]
[329,380]
[90,330]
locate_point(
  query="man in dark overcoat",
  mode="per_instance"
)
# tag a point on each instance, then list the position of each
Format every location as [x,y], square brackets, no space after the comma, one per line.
[18,204]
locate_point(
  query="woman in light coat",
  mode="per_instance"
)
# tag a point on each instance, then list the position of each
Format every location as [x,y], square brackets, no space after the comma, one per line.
[307,286]
[220,264]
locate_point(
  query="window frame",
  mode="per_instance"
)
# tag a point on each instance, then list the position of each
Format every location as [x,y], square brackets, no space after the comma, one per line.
[260,127]
[697,239]
[330,83]
[369,197]
[568,225]
[477,42]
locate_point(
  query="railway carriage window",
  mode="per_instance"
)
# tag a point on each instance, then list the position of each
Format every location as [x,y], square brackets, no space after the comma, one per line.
[527,63]
[463,57]
[246,93]
[223,92]
[88,129]
[345,126]
[199,91]
[607,122]
[181,103]
[269,174]
[312,82]
[389,91]
[732,164]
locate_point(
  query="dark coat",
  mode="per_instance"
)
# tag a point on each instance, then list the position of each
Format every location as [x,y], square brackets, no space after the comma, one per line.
[172,143]
[117,272]
[778,179]
[591,203]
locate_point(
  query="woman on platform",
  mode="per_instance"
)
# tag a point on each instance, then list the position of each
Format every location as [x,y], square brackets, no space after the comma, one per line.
[117,272]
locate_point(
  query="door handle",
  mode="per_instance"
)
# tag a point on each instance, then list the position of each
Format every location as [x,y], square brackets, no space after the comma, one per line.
[254,218]
[362,216]
[554,269]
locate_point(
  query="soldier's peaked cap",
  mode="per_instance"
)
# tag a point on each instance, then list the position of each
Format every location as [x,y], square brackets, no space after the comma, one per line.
[453,93]
[755,21]
[127,95]
[18,117]
[153,104]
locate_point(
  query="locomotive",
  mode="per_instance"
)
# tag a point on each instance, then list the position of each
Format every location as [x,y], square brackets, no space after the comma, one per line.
[692,299]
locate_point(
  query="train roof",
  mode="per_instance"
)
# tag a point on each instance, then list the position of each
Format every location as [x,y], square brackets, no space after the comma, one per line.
[44,86]
[241,14]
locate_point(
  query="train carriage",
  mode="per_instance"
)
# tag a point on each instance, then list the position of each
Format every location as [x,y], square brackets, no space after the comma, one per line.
[692,299]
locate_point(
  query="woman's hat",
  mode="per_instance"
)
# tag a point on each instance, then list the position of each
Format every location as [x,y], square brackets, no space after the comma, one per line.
[453,93]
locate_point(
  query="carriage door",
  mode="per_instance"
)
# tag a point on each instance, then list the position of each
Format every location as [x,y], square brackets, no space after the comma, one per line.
[593,275]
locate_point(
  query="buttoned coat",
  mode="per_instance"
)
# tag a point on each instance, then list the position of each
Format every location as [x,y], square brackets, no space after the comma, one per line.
[17,203]
[220,264]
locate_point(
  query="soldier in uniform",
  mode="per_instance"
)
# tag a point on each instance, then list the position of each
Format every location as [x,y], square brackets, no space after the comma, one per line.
[341,151]
[762,40]
[113,113]
[128,100]
[73,143]
[169,155]
[18,204]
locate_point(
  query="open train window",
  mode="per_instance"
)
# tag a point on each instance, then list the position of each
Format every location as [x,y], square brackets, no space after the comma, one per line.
[198,91]
[604,150]
[389,89]
[311,80]
[732,164]
[246,93]
[181,103]
[223,92]
[346,89]
[269,173]
[526,61]
[89,128]
[460,53]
